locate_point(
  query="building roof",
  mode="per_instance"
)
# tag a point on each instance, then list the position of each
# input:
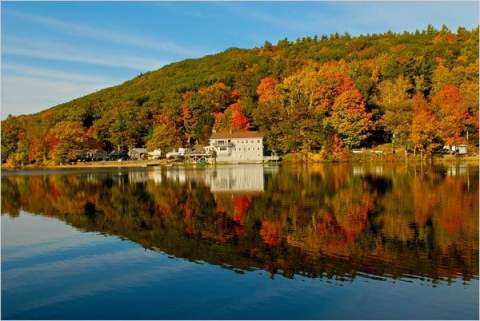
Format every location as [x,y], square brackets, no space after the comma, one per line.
[238,134]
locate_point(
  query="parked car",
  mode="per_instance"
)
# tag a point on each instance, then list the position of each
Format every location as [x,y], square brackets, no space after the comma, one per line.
[118,155]
[85,157]
[100,155]
[174,155]
[443,151]
[155,154]
[178,154]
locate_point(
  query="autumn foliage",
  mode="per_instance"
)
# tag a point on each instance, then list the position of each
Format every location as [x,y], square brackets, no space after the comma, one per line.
[424,126]
[452,111]
[239,120]
[350,118]
[266,90]
[418,91]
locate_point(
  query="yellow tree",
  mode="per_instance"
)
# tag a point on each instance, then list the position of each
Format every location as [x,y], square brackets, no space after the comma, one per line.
[306,98]
[71,140]
[393,97]
[470,93]
[424,126]
[165,135]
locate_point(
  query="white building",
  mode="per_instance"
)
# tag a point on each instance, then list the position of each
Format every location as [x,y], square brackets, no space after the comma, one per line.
[457,149]
[237,147]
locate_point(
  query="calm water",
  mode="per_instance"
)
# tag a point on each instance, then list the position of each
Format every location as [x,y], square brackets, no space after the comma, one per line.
[241,242]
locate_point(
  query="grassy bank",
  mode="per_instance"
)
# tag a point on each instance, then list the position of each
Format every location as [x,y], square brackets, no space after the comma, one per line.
[99,164]
[447,159]
[368,156]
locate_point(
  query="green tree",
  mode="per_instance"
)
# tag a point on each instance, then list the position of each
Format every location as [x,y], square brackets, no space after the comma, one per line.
[10,133]
[165,135]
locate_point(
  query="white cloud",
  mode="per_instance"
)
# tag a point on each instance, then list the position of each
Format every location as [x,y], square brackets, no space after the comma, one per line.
[27,89]
[114,36]
[52,74]
[56,51]
[26,94]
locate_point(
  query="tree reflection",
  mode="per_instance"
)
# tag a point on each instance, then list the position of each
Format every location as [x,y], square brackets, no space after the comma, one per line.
[320,221]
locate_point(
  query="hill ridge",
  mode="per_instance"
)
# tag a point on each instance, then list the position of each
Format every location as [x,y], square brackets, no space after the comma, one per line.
[326,94]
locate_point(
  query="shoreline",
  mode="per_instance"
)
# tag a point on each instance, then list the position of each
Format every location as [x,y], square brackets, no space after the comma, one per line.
[296,159]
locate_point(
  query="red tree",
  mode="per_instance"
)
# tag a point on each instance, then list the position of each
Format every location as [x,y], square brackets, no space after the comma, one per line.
[453,114]
[266,90]
[239,120]
[424,125]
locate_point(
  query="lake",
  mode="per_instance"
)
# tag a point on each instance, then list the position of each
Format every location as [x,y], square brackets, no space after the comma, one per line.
[327,241]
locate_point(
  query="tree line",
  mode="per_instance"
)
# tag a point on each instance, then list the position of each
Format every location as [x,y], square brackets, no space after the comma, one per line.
[417,91]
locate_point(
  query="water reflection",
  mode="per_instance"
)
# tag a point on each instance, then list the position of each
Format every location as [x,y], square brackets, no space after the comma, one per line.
[323,221]
[227,178]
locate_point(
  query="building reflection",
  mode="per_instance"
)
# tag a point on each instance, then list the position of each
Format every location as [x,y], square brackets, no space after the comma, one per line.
[457,170]
[224,178]
[249,178]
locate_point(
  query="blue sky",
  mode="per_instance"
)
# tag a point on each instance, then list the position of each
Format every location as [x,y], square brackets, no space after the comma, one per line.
[53,52]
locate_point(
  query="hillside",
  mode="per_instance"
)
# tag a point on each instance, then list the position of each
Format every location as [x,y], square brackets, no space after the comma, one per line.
[328,94]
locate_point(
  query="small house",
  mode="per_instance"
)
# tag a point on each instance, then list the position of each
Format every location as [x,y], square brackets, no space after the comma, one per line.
[461,149]
[138,153]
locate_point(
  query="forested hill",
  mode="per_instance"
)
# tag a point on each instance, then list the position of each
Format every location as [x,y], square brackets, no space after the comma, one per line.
[327,94]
